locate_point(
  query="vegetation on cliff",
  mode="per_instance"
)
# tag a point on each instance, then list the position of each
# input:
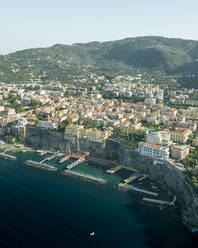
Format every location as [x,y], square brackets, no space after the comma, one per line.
[191,165]
[62,62]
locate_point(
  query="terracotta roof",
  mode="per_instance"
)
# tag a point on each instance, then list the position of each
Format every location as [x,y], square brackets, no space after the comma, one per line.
[149,144]
[181,131]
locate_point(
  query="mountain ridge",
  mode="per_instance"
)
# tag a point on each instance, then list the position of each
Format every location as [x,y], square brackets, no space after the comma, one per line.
[62,62]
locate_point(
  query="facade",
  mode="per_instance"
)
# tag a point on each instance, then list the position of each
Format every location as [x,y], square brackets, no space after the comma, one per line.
[9,112]
[157,152]
[158,138]
[22,122]
[166,137]
[46,124]
[195,142]
[150,100]
[179,152]
[7,116]
[180,136]
[154,138]
[78,131]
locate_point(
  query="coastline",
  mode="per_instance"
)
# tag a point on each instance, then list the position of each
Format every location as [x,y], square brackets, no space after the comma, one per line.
[74,174]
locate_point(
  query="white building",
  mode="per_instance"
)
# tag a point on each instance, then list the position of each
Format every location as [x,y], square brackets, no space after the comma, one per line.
[46,124]
[22,122]
[157,152]
[150,100]
[158,138]
[154,138]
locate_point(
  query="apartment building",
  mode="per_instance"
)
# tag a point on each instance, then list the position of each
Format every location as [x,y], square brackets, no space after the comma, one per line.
[157,152]
[180,135]
[179,152]
[78,131]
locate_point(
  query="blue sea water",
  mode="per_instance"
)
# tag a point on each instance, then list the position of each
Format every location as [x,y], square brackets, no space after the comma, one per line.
[44,209]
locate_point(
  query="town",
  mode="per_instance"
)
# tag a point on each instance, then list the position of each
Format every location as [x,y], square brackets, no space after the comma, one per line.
[156,120]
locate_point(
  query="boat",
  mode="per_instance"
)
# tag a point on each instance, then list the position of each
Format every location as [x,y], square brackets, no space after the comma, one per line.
[92,233]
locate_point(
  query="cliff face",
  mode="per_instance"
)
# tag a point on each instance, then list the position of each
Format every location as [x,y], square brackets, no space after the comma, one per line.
[165,174]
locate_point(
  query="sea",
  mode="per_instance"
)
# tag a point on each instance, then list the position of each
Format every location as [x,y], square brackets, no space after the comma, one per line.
[45,209]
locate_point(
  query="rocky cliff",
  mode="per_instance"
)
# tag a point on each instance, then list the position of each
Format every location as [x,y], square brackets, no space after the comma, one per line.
[165,174]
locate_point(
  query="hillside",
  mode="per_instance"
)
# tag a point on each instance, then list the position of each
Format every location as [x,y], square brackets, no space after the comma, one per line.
[62,62]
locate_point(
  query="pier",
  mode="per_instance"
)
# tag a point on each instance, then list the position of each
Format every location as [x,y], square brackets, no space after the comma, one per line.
[7,156]
[50,158]
[42,153]
[75,163]
[114,170]
[132,178]
[130,187]
[72,155]
[119,167]
[171,203]
[63,159]
[129,168]
[39,165]
[87,177]
[7,150]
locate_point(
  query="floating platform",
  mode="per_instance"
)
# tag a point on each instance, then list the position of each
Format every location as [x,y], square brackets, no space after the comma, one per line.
[39,165]
[7,156]
[86,177]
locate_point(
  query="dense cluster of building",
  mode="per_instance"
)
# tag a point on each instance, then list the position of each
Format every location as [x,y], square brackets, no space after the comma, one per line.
[85,112]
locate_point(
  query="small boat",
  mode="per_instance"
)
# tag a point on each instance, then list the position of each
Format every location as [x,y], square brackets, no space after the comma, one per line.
[92,233]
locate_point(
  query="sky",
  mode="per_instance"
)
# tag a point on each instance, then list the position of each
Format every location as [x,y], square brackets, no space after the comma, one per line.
[42,23]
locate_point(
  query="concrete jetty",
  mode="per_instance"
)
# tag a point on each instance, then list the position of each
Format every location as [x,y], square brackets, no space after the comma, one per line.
[132,178]
[39,165]
[42,153]
[119,167]
[63,159]
[114,170]
[86,177]
[171,203]
[7,156]
[129,187]
[75,163]
[50,158]
[7,150]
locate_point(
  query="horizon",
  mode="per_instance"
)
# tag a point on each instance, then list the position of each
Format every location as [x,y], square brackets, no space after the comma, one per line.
[32,24]
[92,41]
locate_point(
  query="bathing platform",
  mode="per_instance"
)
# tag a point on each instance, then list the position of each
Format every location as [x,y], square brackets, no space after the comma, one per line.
[7,156]
[171,203]
[86,177]
[125,186]
[39,165]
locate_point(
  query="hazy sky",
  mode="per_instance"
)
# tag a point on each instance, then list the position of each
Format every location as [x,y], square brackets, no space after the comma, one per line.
[41,23]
